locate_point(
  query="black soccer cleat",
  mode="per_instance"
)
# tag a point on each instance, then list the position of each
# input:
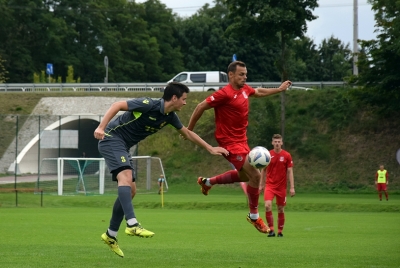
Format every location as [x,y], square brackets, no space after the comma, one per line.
[280,235]
[271,234]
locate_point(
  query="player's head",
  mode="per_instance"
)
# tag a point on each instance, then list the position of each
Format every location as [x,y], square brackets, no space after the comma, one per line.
[237,73]
[381,167]
[277,141]
[174,89]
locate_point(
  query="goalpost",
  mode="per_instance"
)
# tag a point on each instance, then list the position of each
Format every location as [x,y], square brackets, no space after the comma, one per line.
[71,175]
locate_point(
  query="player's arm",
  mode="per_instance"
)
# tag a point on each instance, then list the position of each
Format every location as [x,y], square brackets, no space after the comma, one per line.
[197,113]
[376,177]
[387,178]
[193,137]
[263,178]
[263,92]
[111,112]
[291,181]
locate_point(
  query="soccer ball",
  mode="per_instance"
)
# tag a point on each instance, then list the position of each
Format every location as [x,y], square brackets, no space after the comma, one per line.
[259,157]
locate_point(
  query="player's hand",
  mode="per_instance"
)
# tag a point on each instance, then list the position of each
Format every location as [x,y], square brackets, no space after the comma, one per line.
[182,137]
[285,85]
[99,133]
[218,151]
[292,192]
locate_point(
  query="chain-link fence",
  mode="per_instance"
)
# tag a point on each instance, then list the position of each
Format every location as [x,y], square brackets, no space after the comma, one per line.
[30,143]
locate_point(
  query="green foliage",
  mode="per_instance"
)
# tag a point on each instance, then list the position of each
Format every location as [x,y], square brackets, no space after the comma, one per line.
[70,76]
[3,71]
[379,60]
[272,21]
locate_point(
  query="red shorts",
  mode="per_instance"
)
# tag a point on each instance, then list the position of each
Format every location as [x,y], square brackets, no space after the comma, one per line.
[381,186]
[269,194]
[237,154]
[237,160]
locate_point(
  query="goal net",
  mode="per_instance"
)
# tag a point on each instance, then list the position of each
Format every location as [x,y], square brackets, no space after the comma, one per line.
[71,176]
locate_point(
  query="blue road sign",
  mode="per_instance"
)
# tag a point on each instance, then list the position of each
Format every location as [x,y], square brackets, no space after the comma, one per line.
[49,68]
[234,57]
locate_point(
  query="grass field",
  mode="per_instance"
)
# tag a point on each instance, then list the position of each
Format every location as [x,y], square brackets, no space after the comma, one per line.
[197,231]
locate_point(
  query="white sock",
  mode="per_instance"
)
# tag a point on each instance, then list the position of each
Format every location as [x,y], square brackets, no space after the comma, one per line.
[254,216]
[132,221]
[208,182]
[112,233]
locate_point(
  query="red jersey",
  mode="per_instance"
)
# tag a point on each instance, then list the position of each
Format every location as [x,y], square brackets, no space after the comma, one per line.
[231,108]
[277,170]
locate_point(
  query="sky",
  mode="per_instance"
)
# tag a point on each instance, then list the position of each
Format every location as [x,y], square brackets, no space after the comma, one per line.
[335,17]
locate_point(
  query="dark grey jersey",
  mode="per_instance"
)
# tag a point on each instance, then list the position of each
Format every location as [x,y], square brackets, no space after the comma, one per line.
[145,116]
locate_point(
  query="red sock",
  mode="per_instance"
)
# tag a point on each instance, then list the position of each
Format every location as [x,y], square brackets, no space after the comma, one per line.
[387,196]
[230,176]
[253,195]
[270,219]
[281,222]
[380,195]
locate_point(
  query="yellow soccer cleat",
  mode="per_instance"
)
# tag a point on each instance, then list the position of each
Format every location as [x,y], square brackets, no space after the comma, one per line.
[113,244]
[138,230]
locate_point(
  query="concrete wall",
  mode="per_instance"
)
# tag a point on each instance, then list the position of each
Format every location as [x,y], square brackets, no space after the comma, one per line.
[89,109]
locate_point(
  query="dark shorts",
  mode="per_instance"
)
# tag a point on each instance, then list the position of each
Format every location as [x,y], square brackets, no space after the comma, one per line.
[116,156]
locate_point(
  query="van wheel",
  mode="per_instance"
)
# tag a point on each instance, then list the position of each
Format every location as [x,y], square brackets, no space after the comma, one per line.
[211,89]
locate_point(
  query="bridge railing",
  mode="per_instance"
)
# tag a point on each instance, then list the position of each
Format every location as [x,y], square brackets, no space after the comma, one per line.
[101,87]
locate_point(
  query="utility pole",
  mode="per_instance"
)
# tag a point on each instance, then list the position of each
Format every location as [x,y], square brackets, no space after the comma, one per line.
[106,65]
[355,37]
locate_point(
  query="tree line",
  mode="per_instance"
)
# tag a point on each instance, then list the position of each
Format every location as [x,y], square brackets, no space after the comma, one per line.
[148,42]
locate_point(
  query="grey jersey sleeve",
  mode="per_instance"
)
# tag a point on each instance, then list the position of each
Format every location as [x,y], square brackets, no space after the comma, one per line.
[175,122]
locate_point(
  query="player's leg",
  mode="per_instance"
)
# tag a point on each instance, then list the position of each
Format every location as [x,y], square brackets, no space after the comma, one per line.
[281,203]
[230,176]
[106,148]
[125,186]
[268,197]
[384,188]
[379,188]
[253,176]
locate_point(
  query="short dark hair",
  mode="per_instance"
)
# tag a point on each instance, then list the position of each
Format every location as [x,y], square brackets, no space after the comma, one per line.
[174,88]
[232,66]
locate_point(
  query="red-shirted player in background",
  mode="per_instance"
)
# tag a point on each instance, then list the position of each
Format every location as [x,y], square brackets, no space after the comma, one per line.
[231,108]
[279,170]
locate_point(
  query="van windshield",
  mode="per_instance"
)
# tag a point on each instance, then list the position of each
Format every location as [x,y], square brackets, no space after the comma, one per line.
[180,78]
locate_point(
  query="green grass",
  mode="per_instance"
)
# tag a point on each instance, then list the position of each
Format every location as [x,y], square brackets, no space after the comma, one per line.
[197,231]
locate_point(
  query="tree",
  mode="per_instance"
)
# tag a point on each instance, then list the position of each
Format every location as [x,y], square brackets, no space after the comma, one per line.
[306,60]
[162,25]
[3,71]
[272,21]
[206,47]
[335,60]
[380,62]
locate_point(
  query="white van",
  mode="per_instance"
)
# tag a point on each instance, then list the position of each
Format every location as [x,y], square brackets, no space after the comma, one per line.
[201,77]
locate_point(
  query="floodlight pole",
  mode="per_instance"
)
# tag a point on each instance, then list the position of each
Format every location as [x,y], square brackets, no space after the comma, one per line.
[355,37]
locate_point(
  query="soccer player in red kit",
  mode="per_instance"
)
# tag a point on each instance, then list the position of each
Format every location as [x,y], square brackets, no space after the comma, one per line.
[279,170]
[231,108]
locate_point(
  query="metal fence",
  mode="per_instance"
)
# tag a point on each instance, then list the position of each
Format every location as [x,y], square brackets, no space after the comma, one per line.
[101,87]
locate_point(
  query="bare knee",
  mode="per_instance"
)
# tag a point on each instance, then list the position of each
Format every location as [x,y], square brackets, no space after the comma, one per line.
[268,205]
